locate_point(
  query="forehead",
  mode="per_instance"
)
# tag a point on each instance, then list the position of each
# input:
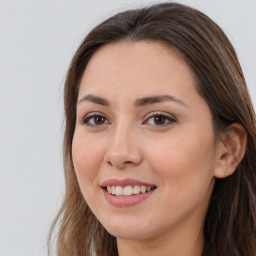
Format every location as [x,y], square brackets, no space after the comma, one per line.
[137,68]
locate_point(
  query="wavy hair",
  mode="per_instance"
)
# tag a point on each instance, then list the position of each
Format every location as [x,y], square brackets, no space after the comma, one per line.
[230,222]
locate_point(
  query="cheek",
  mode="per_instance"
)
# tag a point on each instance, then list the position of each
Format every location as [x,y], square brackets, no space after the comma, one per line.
[184,163]
[185,171]
[87,158]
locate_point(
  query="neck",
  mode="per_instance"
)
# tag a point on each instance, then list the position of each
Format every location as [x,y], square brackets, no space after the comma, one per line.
[175,244]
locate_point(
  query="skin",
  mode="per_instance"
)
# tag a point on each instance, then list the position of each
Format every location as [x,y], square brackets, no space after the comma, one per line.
[181,157]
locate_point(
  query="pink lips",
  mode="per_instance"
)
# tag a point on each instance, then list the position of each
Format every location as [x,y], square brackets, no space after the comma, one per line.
[125,201]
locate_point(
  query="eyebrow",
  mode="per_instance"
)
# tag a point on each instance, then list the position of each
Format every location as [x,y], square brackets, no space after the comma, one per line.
[157,99]
[138,103]
[94,99]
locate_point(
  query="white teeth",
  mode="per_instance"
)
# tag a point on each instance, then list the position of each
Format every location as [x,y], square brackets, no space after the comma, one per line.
[128,190]
[143,189]
[113,190]
[136,189]
[119,191]
[109,189]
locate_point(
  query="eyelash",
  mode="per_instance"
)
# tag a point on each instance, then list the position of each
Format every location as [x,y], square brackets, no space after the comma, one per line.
[91,116]
[170,119]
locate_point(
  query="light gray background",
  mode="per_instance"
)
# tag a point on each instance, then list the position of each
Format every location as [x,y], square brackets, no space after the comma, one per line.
[37,41]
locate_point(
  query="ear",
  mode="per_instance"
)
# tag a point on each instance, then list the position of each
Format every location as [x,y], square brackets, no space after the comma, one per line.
[230,150]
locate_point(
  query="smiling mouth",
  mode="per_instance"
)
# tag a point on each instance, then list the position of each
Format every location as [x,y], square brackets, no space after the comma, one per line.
[128,190]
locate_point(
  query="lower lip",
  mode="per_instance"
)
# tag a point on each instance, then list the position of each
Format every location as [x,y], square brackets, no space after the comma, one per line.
[123,201]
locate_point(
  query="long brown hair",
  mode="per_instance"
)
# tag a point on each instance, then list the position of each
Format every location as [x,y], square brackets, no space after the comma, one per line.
[230,223]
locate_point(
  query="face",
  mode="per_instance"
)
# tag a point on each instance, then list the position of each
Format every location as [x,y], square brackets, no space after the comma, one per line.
[141,125]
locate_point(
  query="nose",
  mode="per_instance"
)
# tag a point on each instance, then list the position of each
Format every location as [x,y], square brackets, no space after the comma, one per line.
[123,150]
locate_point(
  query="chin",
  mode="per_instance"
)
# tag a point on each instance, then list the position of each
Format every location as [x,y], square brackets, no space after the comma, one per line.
[128,231]
[128,234]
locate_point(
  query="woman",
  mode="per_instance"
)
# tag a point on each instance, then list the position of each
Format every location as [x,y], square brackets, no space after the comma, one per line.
[160,140]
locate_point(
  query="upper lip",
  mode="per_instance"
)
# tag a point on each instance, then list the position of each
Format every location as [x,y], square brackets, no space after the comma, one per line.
[125,182]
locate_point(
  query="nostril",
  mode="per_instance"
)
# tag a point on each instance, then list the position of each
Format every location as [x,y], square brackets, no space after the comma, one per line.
[127,162]
[109,163]
[119,164]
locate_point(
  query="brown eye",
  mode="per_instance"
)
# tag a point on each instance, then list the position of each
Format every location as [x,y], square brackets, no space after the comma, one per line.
[99,120]
[94,120]
[159,120]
